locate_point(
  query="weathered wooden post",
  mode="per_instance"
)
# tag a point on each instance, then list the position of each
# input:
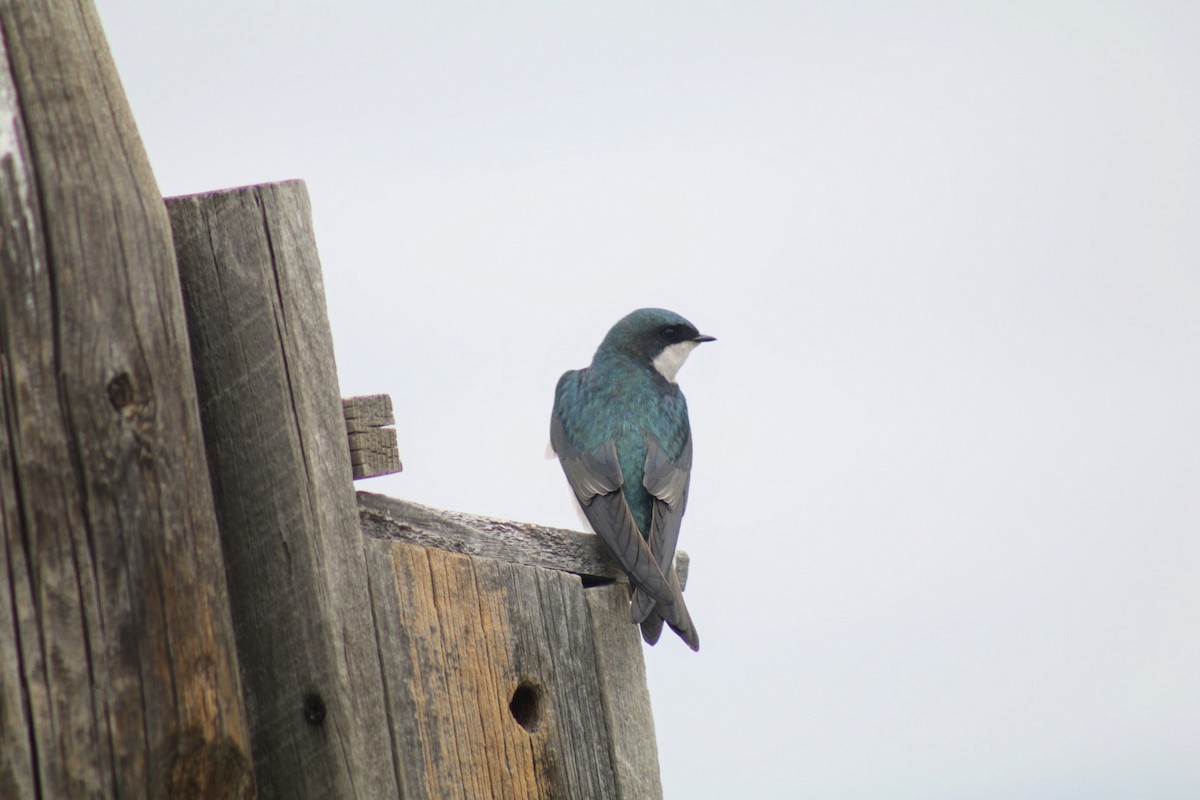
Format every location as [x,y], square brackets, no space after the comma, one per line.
[442,655]
[276,441]
[507,676]
[117,668]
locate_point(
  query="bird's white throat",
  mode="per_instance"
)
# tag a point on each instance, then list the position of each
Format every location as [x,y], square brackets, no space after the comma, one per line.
[671,359]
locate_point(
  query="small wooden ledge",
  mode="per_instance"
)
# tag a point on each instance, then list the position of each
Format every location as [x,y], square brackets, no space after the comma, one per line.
[516,542]
[373,449]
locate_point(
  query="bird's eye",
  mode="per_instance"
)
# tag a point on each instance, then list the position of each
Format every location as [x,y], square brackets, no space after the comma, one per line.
[668,333]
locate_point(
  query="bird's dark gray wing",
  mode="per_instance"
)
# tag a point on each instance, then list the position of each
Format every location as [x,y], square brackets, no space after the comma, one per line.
[596,479]
[667,480]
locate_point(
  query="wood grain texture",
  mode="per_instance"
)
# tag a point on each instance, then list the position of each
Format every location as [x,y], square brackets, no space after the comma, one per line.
[117,671]
[624,695]
[518,542]
[276,442]
[373,449]
[367,411]
[460,636]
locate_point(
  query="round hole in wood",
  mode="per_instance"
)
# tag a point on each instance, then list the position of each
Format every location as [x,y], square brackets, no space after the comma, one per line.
[526,705]
[314,709]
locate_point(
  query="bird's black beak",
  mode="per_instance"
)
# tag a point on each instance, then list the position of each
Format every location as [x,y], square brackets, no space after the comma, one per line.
[700,339]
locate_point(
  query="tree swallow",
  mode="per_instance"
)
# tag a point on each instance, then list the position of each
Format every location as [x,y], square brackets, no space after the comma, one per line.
[620,428]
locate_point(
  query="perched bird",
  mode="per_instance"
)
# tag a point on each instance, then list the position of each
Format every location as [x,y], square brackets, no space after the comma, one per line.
[620,428]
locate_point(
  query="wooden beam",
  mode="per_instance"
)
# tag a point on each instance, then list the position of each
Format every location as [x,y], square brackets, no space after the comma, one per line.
[516,542]
[118,675]
[625,698]
[276,439]
[496,679]
[373,450]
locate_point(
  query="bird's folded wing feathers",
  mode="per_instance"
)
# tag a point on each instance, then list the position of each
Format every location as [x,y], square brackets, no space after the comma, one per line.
[596,480]
[667,480]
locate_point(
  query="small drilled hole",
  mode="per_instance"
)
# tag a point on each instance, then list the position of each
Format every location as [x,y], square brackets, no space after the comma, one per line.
[314,709]
[526,706]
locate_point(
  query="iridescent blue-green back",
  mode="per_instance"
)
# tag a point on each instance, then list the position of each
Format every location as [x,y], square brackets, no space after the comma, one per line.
[620,400]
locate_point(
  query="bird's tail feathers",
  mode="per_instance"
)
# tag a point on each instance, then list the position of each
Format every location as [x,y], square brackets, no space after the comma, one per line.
[650,614]
[682,625]
[641,606]
[652,628]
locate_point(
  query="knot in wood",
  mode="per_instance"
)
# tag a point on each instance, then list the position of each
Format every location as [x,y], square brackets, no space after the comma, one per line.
[120,392]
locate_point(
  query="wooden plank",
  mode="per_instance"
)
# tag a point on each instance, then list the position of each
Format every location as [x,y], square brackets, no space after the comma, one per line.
[373,449]
[491,677]
[518,542]
[624,695]
[553,644]
[453,733]
[367,412]
[374,453]
[117,671]
[276,440]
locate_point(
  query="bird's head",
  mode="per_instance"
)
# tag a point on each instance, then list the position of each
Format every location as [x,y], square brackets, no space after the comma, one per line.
[655,336]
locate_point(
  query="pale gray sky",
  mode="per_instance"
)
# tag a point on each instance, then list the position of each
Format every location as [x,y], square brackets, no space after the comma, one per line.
[945,513]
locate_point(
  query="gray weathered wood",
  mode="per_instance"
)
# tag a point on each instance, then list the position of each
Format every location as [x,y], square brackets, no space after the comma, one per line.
[625,697]
[373,449]
[368,411]
[117,670]
[462,634]
[519,542]
[276,441]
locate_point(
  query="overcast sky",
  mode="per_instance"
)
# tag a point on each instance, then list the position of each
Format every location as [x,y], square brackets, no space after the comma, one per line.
[945,510]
